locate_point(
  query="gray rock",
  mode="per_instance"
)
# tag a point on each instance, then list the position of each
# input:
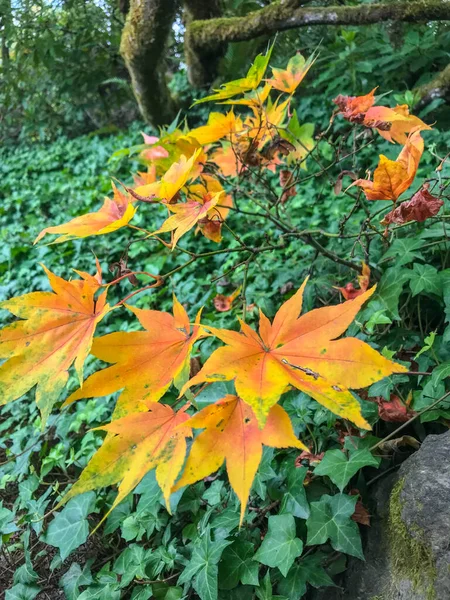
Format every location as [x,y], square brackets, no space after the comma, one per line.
[407,548]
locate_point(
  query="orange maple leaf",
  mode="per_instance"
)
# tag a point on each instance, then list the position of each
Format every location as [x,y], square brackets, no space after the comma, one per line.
[146,362]
[349,292]
[187,214]
[210,224]
[287,80]
[301,352]
[113,215]
[354,108]
[55,331]
[393,123]
[393,177]
[227,159]
[232,435]
[224,303]
[136,444]
[173,180]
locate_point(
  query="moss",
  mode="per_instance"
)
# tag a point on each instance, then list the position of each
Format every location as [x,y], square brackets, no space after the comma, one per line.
[411,558]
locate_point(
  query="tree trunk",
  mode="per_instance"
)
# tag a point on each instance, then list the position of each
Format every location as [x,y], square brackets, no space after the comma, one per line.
[143,44]
[438,87]
[202,61]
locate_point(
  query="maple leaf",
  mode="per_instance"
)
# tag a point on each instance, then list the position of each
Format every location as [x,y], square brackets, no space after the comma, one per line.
[287,80]
[210,224]
[155,152]
[349,292]
[186,215]
[301,352]
[421,207]
[219,126]
[136,444]
[239,86]
[227,159]
[173,180]
[224,303]
[145,362]
[232,435]
[286,181]
[393,123]
[354,108]
[113,215]
[393,177]
[55,331]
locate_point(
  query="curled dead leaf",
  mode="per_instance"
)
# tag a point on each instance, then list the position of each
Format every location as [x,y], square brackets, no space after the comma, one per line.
[421,207]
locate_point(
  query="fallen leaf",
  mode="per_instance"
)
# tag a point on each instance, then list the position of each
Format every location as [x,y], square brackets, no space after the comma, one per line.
[390,446]
[421,207]
[54,332]
[301,352]
[394,411]
[113,215]
[145,362]
[232,435]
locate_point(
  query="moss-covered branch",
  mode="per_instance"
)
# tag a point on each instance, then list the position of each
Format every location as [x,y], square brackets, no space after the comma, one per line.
[438,87]
[143,45]
[281,16]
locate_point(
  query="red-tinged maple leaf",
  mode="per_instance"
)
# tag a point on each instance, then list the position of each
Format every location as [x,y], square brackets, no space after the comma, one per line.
[301,352]
[421,207]
[54,332]
[136,444]
[350,292]
[225,303]
[113,215]
[173,180]
[287,80]
[232,435]
[145,362]
[393,177]
[186,215]
[155,152]
[142,178]
[393,123]
[394,411]
[354,108]
[286,180]
[210,225]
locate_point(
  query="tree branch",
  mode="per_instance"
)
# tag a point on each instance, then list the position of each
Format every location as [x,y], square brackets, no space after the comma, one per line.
[142,46]
[438,87]
[282,16]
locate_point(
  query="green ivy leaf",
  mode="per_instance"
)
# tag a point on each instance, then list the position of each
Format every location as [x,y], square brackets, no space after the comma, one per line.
[403,251]
[75,577]
[280,547]
[330,520]
[425,278]
[307,570]
[22,591]
[294,499]
[237,565]
[202,569]
[69,529]
[341,469]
